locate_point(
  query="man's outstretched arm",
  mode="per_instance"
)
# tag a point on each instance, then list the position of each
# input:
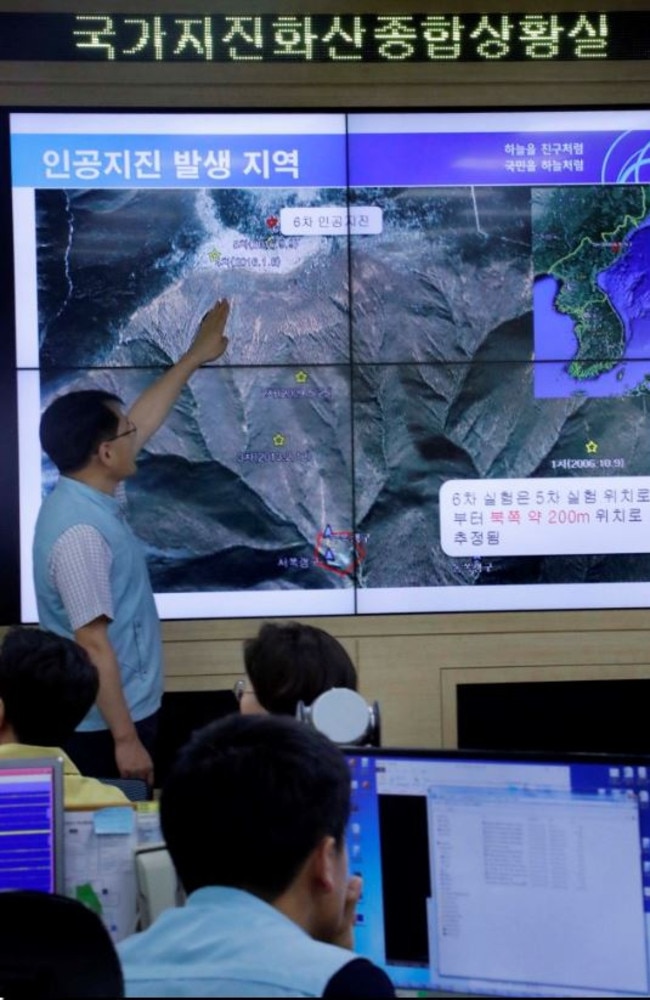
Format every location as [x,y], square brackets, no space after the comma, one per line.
[152,406]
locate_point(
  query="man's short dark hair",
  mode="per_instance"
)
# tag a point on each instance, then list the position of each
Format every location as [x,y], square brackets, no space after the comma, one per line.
[294,662]
[74,425]
[47,684]
[248,800]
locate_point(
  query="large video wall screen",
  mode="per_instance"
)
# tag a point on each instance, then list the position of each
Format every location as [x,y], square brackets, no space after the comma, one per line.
[435,395]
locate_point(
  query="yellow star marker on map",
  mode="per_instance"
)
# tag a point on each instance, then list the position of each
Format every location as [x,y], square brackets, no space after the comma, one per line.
[279,440]
[301,376]
[591,447]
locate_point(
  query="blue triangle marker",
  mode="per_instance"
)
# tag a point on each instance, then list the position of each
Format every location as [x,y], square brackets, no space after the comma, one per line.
[329,556]
[328,531]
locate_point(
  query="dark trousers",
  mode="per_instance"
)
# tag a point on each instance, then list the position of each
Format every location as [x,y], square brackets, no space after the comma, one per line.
[94,753]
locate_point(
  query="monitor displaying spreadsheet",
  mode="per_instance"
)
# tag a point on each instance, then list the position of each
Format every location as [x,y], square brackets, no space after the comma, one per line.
[502,874]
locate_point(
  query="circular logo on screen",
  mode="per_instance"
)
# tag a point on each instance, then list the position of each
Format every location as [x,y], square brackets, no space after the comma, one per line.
[627,160]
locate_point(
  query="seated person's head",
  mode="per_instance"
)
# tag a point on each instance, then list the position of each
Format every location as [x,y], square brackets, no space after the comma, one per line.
[261,803]
[74,425]
[53,947]
[47,685]
[289,663]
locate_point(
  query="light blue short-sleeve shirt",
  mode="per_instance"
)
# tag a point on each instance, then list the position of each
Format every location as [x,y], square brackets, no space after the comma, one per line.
[226,942]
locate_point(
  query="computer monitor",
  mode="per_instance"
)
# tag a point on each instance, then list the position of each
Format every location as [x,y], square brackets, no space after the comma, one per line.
[31,824]
[503,874]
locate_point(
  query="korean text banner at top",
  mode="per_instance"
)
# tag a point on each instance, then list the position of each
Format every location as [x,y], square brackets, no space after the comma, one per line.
[169,150]
[321,150]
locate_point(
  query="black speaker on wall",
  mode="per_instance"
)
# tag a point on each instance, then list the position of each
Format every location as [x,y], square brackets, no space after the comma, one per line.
[591,715]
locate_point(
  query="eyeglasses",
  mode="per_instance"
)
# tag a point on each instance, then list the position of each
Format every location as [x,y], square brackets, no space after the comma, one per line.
[132,429]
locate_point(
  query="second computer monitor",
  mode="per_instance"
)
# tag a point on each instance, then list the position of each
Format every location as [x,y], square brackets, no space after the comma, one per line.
[503,874]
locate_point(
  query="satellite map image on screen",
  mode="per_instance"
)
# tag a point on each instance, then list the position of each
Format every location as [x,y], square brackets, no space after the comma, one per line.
[451,267]
[446,291]
[249,482]
[125,276]
[358,378]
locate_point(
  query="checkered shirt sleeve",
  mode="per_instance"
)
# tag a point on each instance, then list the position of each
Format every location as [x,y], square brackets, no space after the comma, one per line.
[79,567]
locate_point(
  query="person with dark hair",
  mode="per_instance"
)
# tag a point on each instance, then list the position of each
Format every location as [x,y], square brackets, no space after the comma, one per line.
[254,816]
[289,663]
[52,947]
[90,573]
[47,685]
[74,425]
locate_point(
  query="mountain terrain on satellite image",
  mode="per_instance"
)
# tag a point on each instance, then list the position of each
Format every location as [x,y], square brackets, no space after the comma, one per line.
[355,383]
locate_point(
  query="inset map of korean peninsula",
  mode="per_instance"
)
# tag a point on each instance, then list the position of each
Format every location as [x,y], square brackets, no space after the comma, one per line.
[591,252]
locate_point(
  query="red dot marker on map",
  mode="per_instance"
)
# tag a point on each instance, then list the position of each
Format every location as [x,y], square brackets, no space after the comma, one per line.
[272,221]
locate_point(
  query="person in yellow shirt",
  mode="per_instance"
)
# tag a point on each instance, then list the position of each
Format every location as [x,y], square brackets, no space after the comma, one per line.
[47,685]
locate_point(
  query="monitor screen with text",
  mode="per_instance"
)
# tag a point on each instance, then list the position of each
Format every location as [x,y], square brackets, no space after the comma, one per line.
[509,876]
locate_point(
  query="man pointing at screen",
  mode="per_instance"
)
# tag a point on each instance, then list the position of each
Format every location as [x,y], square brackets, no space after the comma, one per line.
[90,573]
